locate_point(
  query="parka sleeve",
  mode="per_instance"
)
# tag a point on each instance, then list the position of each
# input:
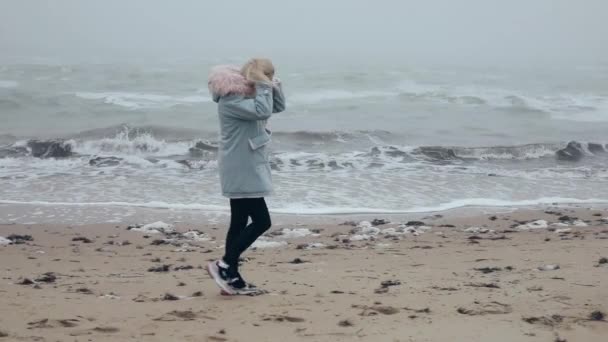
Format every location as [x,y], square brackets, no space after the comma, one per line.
[258,108]
[278,98]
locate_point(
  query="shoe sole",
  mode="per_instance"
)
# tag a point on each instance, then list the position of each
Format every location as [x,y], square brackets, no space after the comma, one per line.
[224,290]
[243,293]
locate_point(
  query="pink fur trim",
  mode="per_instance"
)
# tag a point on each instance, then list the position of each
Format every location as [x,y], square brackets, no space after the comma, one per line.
[227,79]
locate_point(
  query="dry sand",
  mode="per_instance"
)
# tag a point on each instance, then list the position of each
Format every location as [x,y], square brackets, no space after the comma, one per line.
[437,284]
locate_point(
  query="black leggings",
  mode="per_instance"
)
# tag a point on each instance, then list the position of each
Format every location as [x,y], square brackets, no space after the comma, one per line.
[240,235]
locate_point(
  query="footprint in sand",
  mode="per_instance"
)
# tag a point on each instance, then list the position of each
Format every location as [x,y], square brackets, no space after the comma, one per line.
[53,323]
[492,308]
[106,330]
[176,315]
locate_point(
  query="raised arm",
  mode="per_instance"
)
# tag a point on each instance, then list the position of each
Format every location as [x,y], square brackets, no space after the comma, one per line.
[258,108]
[278,98]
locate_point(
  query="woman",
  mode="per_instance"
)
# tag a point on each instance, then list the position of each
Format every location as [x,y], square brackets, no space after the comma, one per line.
[246,99]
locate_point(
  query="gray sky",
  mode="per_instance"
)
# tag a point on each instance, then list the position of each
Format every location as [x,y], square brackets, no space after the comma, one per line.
[448,31]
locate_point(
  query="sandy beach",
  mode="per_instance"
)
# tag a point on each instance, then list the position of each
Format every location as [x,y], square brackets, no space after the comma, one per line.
[527,275]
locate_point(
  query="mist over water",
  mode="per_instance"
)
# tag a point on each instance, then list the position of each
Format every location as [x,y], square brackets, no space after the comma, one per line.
[392,105]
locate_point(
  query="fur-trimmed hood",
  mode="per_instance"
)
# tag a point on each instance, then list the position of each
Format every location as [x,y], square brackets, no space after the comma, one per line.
[227,79]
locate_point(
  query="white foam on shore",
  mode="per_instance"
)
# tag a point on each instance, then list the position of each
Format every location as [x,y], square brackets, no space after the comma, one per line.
[142,100]
[360,237]
[155,228]
[196,236]
[462,203]
[579,223]
[262,243]
[4,241]
[295,233]
[301,210]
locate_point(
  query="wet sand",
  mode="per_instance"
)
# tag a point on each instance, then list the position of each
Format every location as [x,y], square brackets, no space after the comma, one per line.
[509,278]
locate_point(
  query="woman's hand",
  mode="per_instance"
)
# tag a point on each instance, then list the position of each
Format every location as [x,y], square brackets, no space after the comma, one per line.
[257,75]
[276,82]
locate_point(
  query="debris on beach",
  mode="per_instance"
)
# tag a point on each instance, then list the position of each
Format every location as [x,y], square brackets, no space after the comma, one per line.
[82,239]
[379,222]
[486,285]
[345,323]
[170,297]
[25,281]
[310,245]
[48,277]
[389,283]
[5,242]
[385,285]
[415,223]
[478,230]
[84,290]
[597,316]
[183,268]
[538,224]
[284,318]
[158,227]
[18,239]
[550,321]
[161,268]
[548,267]
[486,270]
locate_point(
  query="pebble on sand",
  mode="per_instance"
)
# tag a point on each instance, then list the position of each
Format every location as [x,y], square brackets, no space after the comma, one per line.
[345,323]
[597,316]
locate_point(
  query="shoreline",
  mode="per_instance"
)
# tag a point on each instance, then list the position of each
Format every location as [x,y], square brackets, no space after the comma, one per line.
[75,214]
[523,275]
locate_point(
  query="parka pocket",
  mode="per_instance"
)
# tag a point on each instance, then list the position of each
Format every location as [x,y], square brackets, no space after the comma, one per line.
[259,141]
[258,145]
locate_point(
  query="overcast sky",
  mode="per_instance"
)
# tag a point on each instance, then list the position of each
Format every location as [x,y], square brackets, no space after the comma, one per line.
[439,31]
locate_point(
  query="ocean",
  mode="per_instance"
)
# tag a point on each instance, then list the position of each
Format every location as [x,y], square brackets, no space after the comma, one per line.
[354,139]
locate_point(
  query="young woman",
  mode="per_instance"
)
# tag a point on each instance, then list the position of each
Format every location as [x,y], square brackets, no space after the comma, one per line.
[246,98]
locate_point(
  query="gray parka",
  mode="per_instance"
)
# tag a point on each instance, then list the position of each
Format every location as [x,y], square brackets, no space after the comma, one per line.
[244,108]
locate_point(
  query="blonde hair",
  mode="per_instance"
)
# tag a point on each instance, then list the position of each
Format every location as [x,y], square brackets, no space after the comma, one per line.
[258,69]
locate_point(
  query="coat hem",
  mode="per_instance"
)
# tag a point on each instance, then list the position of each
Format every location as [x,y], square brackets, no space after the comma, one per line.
[247,195]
